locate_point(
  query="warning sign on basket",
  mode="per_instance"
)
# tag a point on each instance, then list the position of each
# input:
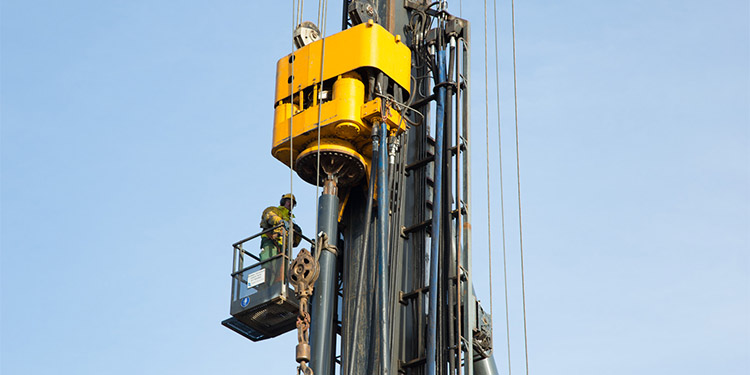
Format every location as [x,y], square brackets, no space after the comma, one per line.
[256,278]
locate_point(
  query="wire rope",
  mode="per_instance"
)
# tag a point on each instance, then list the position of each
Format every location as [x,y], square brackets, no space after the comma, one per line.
[487,154]
[290,235]
[301,6]
[324,5]
[320,5]
[518,179]
[502,189]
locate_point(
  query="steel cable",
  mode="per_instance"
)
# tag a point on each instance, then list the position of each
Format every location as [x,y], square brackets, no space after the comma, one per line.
[290,233]
[487,154]
[300,8]
[320,5]
[502,189]
[518,179]
[320,107]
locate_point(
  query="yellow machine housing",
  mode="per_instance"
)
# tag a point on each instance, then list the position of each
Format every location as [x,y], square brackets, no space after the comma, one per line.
[353,58]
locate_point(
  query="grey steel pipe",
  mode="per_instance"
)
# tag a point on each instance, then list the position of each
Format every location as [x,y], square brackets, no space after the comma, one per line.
[365,247]
[322,309]
[467,189]
[485,366]
[454,341]
[436,217]
[382,247]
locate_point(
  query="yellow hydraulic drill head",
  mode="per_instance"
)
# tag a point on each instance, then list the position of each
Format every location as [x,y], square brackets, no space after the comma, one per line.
[342,138]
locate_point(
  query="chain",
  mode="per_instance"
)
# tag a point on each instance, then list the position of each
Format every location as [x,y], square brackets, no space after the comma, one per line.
[304,271]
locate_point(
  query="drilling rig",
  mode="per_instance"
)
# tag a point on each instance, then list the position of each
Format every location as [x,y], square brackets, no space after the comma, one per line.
[378,116]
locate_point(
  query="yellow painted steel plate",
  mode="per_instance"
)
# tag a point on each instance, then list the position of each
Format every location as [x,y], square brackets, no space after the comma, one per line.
[361,46]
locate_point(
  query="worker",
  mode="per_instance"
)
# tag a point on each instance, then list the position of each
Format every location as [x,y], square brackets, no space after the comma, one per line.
[272,242]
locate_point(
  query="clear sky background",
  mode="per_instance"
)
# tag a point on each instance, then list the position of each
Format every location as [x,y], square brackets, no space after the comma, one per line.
[136,148]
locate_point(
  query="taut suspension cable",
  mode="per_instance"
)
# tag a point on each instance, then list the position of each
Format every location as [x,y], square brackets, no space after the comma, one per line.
[487,145]
[322,6]
[295,22]
[502,189]
[518,178]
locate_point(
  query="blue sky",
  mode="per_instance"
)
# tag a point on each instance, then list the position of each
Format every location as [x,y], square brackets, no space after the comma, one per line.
[135,149]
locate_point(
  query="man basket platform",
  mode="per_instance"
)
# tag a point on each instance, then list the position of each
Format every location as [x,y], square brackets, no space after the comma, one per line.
[263,303]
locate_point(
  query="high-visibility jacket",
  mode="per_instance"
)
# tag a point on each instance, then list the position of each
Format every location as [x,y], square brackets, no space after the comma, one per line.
[273,216]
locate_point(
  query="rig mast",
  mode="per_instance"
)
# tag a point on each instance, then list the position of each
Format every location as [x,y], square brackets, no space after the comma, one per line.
[378,115]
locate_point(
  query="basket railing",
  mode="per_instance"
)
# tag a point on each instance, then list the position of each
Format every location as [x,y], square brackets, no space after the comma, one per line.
[243,259]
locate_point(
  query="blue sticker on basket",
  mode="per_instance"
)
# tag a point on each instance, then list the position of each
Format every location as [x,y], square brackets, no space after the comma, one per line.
[245,301]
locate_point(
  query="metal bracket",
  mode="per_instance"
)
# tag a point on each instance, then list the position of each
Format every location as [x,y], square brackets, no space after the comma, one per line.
[482,340]
[361,11]
[380,109]
[306,33]
[413,4]
[454,27]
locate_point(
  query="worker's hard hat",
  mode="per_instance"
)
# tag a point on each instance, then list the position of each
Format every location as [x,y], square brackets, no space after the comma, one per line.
[289,196]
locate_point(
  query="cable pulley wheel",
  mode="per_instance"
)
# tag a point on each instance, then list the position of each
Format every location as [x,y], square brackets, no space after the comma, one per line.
[304,270]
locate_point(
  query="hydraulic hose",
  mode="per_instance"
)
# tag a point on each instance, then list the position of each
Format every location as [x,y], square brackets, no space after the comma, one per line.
[436,215]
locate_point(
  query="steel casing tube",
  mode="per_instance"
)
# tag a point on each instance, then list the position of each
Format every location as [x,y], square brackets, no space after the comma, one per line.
[485,366]
[436,217]
[383,249]
[324,297]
